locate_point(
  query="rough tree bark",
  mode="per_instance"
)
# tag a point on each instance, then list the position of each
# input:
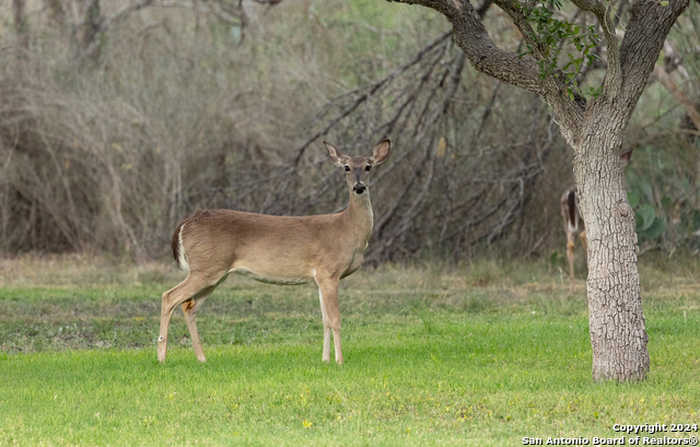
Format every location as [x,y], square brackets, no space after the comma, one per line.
[616,321]
[594,129]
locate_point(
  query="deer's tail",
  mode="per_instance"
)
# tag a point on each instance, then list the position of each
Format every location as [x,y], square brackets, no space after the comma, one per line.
[571,201]
[178,248]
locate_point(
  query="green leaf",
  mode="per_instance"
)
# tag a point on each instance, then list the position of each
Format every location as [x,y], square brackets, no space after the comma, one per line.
[647,191]
[694,221]
[633,198]
[656,229]
[555,258]
[667,202]
[645,217]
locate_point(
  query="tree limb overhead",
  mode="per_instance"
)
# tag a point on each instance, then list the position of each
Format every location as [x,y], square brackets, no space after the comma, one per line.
[472,37]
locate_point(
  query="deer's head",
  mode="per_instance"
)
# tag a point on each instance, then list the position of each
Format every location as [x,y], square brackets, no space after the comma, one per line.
[357,169]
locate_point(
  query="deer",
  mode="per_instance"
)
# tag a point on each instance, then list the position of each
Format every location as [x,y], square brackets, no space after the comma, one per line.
[287,250]
[573,226]
[573,221]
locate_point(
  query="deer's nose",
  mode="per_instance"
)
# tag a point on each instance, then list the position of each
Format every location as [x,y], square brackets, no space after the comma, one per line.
[359,188]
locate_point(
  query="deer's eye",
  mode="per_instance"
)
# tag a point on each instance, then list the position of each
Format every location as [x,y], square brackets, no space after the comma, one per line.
[347,168]
[368,167]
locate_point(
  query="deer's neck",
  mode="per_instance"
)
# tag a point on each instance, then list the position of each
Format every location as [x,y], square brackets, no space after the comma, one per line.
[360,216]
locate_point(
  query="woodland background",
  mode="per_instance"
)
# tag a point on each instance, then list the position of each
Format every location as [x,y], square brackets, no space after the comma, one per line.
[117,119]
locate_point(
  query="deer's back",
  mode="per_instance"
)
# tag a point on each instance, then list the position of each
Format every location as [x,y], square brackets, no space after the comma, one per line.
[281,249]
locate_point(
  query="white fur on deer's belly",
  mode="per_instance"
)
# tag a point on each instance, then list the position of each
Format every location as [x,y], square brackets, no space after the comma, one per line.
[269,279]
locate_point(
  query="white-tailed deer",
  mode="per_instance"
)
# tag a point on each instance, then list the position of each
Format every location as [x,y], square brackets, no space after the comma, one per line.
[573,225]
[323,248]
[573,222]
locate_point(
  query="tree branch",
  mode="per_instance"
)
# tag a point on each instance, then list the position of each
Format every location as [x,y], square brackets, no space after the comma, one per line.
[613,78]
[97,24]
[371,90]
[649,24]
[663,74]
[514,9]
[472,37]
[448,8]
[521,71]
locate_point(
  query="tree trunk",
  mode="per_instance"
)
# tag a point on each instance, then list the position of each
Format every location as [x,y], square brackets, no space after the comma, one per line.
[616,320]
[594,130]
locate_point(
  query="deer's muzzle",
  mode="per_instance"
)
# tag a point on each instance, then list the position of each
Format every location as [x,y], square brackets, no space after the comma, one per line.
[359,188]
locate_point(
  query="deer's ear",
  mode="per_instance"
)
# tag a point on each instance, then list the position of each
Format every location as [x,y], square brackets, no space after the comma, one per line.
[381,151]
[334,153]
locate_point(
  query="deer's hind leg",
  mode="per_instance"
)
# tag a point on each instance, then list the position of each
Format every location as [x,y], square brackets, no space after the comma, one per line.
[192,288]
[570,245]
[584,243]
[189,310]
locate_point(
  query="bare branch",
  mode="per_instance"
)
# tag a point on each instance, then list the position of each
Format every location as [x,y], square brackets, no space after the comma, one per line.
[20,22]
[663,74]
[624,4]
[515,11]
[472,37]
[57,13]
[512,68]
[448,8]
[371,90]
[96,24]
[124,13]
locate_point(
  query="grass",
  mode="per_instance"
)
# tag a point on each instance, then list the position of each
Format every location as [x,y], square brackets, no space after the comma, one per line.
[482,354]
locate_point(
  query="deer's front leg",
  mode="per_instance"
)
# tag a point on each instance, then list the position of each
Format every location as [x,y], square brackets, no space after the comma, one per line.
[326,356]
[328,296]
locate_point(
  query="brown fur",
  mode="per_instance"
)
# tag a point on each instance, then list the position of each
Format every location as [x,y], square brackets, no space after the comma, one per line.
[279,249]
[573,225]
[573,220]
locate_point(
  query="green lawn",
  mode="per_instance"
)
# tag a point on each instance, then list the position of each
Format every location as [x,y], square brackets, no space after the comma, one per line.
[478,355]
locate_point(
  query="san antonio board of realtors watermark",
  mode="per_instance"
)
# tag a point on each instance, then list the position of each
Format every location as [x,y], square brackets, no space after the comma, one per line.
[639,434]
